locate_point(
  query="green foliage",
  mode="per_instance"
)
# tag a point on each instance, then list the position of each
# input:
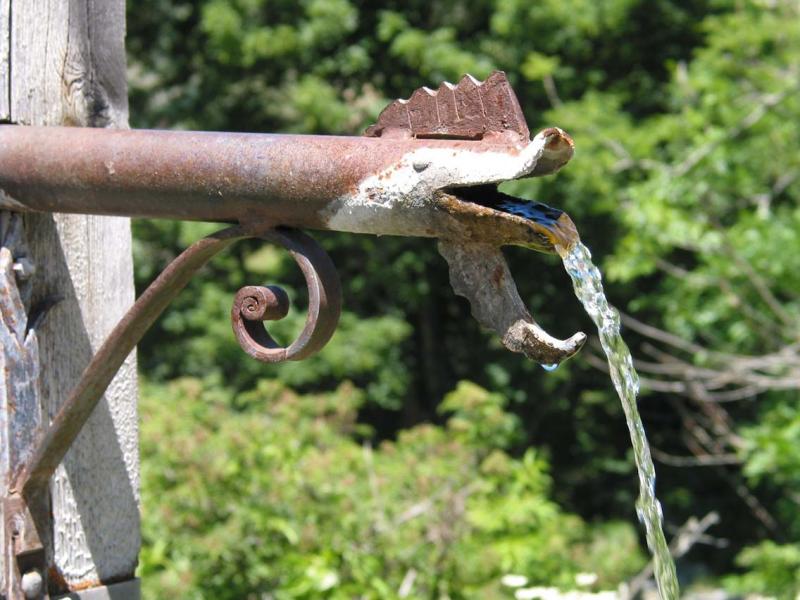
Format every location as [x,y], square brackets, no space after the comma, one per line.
[270,492]
[686,118]
[772,569]
[478,417]
[772,447]
[771,454]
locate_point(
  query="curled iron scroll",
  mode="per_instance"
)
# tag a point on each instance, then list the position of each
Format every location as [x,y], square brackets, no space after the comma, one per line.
[255,304]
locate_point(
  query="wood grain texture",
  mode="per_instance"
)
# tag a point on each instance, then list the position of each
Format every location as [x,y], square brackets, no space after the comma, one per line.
[95,491]
[67,67]
[68,63]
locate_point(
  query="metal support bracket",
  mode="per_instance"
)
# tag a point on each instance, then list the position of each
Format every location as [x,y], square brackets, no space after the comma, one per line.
[29,476]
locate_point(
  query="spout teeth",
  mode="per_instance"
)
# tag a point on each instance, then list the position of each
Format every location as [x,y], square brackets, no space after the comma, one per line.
[480,274]
[469,110]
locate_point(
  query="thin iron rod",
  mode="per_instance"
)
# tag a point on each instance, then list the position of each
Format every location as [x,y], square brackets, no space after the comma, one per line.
[73,414]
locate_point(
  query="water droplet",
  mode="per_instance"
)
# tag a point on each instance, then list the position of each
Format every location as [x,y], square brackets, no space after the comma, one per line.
[552,367]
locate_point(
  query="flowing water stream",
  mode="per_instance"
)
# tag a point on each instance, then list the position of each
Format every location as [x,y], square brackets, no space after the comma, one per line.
[588,286]
[587,281]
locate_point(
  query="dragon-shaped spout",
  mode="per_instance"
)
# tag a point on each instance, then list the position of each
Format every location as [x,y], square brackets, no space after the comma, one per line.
[429,167]
[460,192]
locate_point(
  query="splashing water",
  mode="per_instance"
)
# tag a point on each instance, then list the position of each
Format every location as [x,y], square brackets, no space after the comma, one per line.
[586,280]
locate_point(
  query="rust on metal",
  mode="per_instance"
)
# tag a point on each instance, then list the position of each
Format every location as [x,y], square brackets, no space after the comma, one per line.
[260,303]
[357,184]
[470,110]
[478,209]
[253,304]
[429,167]
[228,177]
[325,293]
[57,579]
[479,273]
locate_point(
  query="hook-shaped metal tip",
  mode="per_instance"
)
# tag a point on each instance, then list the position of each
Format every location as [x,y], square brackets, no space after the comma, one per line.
[479,273]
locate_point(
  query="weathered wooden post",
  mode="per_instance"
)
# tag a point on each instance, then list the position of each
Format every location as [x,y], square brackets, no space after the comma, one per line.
[62,62]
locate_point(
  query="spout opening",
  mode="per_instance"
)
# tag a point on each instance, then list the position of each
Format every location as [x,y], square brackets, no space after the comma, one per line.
[502,219]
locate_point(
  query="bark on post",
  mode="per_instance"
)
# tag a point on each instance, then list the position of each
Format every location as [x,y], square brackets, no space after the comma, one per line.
[62,62]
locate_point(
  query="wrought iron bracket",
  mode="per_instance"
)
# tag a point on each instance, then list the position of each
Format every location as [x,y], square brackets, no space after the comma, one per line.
[28,482]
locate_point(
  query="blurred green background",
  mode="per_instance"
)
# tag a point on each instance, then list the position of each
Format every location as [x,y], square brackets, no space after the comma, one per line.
[414,457]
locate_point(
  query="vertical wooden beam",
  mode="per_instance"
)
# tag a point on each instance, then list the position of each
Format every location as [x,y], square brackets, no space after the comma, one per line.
[66,66]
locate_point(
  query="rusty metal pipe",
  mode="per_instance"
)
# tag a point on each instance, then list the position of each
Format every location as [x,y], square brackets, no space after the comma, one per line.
[383,186]
[226,177]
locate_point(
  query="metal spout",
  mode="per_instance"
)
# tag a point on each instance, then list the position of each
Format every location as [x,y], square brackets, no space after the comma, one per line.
[429,168]
[381,186]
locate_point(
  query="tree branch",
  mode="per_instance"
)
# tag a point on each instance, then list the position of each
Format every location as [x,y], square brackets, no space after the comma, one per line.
[707,460]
